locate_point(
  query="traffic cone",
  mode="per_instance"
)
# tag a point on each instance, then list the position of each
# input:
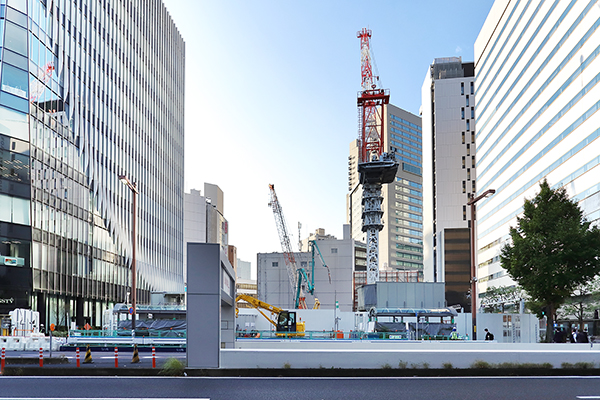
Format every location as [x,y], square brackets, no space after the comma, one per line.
[136,357]
[88,355]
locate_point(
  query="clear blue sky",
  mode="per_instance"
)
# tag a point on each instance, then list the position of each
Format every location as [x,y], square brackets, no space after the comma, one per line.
[271,97]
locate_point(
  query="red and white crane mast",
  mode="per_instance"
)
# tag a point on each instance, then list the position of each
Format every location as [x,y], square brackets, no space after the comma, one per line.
[375,167]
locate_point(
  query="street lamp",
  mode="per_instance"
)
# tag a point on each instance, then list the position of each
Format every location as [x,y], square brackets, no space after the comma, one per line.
[133,187]
[471,202]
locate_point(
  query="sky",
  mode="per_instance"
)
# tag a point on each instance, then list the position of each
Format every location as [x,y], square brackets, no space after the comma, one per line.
[270,92]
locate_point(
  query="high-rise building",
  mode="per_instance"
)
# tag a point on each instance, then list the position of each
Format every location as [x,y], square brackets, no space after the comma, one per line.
[204,221]
[400,241]
[537,100]
[90,90]
[448,113]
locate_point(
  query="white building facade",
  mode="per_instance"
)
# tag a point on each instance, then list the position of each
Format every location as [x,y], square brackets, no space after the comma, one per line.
[536,83]
[448,115]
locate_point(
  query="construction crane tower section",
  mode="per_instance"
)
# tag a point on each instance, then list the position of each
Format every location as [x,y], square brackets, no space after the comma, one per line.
[375,167]
[284,238]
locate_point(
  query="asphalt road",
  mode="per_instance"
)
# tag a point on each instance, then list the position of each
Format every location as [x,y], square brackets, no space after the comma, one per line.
[488,388]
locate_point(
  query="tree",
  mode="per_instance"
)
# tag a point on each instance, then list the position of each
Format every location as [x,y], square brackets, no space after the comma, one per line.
[553,251]
[495,299]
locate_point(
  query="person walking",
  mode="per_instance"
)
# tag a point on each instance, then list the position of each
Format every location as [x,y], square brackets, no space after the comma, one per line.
[488,335]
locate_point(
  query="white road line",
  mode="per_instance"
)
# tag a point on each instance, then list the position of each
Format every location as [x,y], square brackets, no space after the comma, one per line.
[98,398]
[588,397]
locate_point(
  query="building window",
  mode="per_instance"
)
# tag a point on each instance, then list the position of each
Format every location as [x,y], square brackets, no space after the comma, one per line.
[462,113]
[462,88]
[464,213]
[275,264]
[463,162]
[333,250]
[468,174]
[473,186]
[463,138]
[467,101]
[472,161]
[303,264]
[464,183]
[468,125]
[472,88]
[468,149]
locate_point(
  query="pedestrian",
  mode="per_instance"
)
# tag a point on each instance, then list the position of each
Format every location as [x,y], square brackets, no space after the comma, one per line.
[454,334]
[488,335]
[573,337]
[582,337]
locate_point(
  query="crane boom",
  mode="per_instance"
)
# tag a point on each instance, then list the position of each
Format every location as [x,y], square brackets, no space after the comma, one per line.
[284,238]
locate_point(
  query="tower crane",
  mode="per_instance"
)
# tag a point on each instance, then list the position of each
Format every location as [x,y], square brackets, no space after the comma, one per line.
[375,167]
[284,238]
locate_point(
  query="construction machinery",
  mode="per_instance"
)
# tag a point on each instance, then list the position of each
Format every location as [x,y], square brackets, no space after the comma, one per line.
[285,322]
[306,281]
[375,167]
[286,245]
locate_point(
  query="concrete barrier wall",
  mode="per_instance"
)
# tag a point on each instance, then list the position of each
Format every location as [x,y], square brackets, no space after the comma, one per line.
[416,354]
[30,343]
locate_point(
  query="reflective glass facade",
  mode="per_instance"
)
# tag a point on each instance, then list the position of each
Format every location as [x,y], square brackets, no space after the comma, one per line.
[401,240]
[89,90]
[538,99]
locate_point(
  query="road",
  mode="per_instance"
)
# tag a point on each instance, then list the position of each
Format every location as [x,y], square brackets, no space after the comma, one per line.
[488,388]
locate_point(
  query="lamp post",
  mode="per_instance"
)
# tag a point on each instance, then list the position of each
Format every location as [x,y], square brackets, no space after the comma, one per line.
[471,202]
[133,187]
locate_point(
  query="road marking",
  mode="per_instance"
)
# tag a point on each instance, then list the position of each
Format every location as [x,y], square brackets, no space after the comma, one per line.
[99,398]
[588,397]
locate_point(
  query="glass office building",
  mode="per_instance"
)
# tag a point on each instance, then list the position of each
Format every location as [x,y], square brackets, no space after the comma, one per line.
[90,90]
[401,240]
[537,113]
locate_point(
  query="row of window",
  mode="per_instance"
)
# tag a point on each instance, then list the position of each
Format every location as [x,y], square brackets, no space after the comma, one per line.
[408,198]
[408,239]
[408,207]
[408,215]
[409,248]
[464,162]
[552,121]
[409,223]
[405,122]
[411,168]
[462,113]
[462,89]
[405,181]
[409,191]
[404,128]
[414,140]
[485,119]
[409,256]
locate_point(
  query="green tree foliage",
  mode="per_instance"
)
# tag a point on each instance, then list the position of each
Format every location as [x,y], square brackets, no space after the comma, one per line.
[495,299]
[553,251]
